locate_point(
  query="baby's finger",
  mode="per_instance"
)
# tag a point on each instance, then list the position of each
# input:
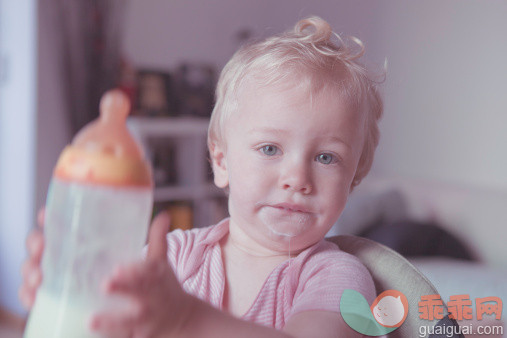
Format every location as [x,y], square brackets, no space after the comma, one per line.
[26,296]
[41,214]
[32,274]
[157,240]
[35,245]
[114,323]
[128,280]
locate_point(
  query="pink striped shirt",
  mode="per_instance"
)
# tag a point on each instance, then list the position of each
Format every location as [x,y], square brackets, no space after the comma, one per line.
[314,280]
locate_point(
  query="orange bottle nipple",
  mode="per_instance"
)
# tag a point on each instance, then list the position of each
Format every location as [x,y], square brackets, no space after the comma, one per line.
[104,152]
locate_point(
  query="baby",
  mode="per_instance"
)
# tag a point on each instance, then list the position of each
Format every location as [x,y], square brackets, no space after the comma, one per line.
[293,131]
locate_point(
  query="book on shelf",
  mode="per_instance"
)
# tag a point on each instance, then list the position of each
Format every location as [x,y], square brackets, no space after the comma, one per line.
[181,213]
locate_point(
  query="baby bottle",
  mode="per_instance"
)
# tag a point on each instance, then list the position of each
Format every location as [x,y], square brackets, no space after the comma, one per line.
[97,213]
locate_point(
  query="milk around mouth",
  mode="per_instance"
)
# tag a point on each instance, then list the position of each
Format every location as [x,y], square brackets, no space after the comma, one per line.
[284,221]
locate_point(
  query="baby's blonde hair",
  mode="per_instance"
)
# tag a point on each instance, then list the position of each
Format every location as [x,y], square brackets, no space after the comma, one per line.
[307,53]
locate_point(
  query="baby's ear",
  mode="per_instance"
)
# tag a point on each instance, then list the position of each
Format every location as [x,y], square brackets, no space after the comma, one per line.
[219,165]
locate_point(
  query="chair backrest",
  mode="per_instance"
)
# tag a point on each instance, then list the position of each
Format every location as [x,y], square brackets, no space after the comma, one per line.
[390,270]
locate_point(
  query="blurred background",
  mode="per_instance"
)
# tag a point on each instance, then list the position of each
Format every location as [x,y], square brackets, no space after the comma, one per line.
[440,169]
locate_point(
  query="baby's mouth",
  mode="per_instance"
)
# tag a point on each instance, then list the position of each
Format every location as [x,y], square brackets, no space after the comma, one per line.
[291,208]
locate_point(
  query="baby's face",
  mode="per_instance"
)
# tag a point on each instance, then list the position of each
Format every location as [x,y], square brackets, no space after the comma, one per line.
[289,162]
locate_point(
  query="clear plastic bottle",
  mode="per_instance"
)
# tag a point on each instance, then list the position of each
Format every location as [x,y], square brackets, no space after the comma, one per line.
[97,214]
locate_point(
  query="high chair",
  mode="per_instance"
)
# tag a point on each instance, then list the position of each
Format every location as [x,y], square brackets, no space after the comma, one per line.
[390,270]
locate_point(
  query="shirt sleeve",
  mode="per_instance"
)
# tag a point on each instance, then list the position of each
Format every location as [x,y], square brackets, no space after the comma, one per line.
[323,280]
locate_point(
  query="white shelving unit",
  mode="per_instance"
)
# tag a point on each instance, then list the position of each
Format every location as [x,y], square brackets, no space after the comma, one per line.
[193,184]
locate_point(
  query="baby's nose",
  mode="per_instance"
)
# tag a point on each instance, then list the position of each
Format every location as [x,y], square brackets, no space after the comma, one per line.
[297,178]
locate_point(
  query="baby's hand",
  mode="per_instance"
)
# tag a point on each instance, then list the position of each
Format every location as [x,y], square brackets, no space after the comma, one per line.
[31,270]
[157,297]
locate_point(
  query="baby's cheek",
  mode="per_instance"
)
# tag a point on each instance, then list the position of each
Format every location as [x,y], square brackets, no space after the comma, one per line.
[247,175]
[336,194]
[244,186]
[243,179]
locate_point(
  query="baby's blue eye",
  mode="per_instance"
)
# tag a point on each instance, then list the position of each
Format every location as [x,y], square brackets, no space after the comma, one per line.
[325,158]
[269,150]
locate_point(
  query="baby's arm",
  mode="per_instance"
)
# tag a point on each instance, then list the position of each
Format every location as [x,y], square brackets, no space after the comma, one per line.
[319,324]
[206,321]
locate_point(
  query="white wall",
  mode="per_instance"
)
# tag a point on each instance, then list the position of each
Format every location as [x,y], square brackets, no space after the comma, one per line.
[161,33]
[446,102]
[17,140]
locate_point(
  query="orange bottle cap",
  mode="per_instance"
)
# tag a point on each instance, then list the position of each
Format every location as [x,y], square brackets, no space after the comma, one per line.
[104,152]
